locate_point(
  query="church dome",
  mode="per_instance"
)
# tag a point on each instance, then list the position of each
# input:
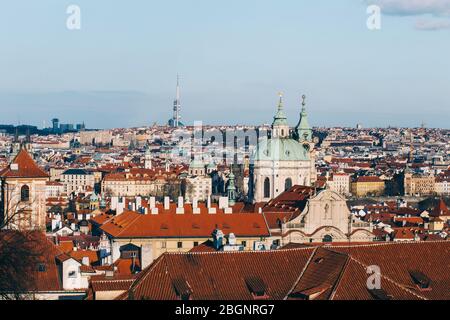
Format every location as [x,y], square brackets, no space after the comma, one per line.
[281,149]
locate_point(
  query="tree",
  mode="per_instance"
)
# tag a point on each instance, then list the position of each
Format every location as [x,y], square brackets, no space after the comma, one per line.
[21,251]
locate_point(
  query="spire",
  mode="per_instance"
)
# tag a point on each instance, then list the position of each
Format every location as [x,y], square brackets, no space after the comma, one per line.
[303,131]
[304,104]
[280,103]
[280,118]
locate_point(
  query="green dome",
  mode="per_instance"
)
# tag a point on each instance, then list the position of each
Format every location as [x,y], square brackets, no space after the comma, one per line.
[211,165]
[197,164]
[284,149]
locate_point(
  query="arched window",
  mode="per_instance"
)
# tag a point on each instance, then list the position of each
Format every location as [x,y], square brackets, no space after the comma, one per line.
[327,238]
[267,188]
[25,193]
[287,184]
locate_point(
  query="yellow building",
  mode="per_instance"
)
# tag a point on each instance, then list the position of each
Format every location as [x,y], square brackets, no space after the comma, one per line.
[419,184]
[368,186]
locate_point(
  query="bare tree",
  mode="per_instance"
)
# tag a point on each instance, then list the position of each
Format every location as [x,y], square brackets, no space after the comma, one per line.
[22,250]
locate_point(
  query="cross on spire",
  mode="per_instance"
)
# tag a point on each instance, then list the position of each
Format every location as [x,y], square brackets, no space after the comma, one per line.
[280,103]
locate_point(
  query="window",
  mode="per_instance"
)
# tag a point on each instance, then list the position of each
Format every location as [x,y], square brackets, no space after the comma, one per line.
[163,244]
[257,287]
[180,245]
[287,184]
[195,243]
[41,267]
[327,238]
[25,193]
[244,243]
[72,274]
[267,188]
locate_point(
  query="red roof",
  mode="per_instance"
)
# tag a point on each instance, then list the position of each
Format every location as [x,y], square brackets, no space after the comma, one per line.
[287,206]
[369,179]
[167,223]
[440,210]
[331,272]
[26,167]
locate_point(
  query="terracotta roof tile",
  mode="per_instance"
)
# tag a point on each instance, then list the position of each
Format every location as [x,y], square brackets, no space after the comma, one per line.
[26,167]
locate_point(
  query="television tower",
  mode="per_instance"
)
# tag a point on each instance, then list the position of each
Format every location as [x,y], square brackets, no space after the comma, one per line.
[177,106]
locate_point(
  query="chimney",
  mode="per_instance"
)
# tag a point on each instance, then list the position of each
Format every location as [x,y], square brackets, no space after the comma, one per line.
[218,239]
[138,202]
[166,203]
[85,261]
[152,202]
[54,224]
[120,207]
[180,207]
[146,255]
[145,210]
[114,201]
[232,239]
[195,208]
[211,210]
[223,202]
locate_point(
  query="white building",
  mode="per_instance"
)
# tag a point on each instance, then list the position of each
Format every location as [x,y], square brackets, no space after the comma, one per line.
[340,183]
[77,180]
[54,189]
[198,183]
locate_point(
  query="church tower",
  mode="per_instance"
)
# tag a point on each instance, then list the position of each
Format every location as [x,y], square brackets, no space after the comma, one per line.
[22,202]
[148,159]
[284,159]
[231,189]
[280,126]
[303,132]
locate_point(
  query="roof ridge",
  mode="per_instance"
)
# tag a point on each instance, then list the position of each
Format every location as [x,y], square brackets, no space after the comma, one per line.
[240,252]
[302,272]
[147,272]
[386,244]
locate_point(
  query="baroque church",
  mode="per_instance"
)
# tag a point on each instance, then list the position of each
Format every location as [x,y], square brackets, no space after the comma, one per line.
[284,159]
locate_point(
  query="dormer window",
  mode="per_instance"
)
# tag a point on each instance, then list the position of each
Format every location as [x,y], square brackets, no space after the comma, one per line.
[41,267]
[25,193]
[420,280]
[257,288]
[182,289]
[379,294]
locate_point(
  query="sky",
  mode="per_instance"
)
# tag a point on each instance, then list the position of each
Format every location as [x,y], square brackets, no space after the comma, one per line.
[119,69]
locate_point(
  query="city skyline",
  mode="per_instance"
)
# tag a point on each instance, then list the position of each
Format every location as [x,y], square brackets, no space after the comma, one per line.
[233,59]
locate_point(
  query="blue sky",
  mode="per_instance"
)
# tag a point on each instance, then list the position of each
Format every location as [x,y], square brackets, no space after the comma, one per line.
[233,56]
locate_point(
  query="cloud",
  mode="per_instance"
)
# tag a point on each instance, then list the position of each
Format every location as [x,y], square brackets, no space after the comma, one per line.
[432,25]
[413,7]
